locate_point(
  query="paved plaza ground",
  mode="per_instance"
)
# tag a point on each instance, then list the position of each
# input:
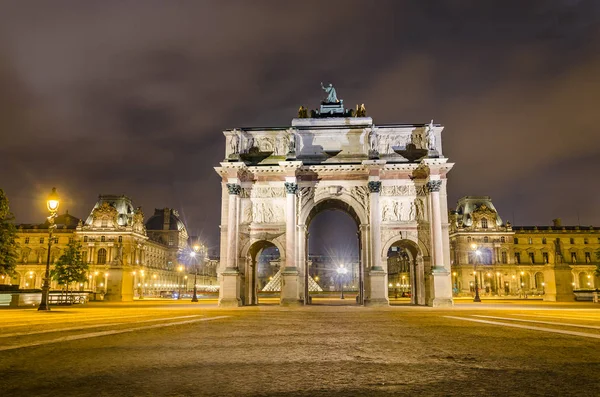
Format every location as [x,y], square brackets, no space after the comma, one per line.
[167,348]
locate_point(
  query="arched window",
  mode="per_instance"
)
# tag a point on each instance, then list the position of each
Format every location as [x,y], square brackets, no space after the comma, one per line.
[484,223]
[544,240]
[502,239]
[101,256]
[486,239]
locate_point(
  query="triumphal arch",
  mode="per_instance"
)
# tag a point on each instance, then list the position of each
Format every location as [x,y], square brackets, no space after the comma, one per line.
[391,179]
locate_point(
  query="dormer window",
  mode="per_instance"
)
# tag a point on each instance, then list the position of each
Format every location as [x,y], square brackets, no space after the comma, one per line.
[104,222]
[85,239]
[484,223]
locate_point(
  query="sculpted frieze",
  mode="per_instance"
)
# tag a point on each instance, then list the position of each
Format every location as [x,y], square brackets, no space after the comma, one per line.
[263,192]
[267,212]
[402,190]
[402,210]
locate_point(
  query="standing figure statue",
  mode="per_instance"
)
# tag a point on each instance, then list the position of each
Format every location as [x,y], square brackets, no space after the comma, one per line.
[430,136]
[234,143]
[331,94]
[291,142]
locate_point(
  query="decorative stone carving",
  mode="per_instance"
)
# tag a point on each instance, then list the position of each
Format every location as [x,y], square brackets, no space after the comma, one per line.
[291,188]
[263,192]
[401,211]
[430,136]
[234,142]
[373,143]
[361,194]
[402,190]
[267,213]
[434,186]
[234,188]
[374,186]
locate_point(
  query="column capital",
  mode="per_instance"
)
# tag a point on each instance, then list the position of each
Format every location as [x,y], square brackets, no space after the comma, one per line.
[234,188]
[374,186]
[434,186]
[291,187]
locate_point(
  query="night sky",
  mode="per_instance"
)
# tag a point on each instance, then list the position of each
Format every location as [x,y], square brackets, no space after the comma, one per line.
[130,97]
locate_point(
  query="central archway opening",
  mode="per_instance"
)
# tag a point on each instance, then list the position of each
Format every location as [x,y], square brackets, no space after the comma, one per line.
[334,274]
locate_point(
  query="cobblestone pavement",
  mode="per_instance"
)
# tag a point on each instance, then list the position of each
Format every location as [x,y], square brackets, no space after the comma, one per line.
[158,348]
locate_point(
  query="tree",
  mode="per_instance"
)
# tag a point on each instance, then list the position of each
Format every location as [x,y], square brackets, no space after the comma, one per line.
[70,267]
[8,236]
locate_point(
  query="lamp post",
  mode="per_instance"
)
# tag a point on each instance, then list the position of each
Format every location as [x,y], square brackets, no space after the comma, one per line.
[195,250]
[476,253]
[341,271]
[179,270]
[52,203]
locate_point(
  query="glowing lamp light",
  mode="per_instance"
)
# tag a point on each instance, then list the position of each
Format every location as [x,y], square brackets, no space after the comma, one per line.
[53,201]
[193,254]
[390,285]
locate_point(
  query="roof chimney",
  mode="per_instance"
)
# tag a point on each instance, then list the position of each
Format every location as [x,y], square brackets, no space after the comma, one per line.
[556,222]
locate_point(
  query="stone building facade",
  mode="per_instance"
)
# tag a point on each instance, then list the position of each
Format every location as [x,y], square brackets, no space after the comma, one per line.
[126,256]
[549,261]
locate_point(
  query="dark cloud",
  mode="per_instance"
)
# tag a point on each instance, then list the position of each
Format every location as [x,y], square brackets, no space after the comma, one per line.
[131,97]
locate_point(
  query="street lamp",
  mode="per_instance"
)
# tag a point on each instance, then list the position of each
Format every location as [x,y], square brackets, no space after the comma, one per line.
[341,271]
[476,253]
[52,203]
[179,269]
[195,250]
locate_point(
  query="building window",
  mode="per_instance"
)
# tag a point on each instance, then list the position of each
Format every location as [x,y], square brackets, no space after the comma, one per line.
[504,257]
[55,240]
[573,257]
[516,240]
[26,240]
[85,239]
[104,222]
[486,239]
[531,257]
[544,240]
[41,240]
[101,256]
[468,239]
[502,239]
[586,241]
[572,240]
[484,223]
[70,240]
[120,239]
[517,258]
[588,257]
[545,257]
[530,240]
[102,239]
[171,240]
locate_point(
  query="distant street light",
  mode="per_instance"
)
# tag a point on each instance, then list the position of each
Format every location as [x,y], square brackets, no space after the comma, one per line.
[196,249]
[341,271]
[52,203]
[476,254]
[179,270]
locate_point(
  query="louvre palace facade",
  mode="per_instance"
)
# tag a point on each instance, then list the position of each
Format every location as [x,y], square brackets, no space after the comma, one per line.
[127,257]
[549,261]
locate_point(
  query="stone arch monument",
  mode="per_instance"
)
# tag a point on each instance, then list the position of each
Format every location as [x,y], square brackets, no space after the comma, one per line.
[390,178]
